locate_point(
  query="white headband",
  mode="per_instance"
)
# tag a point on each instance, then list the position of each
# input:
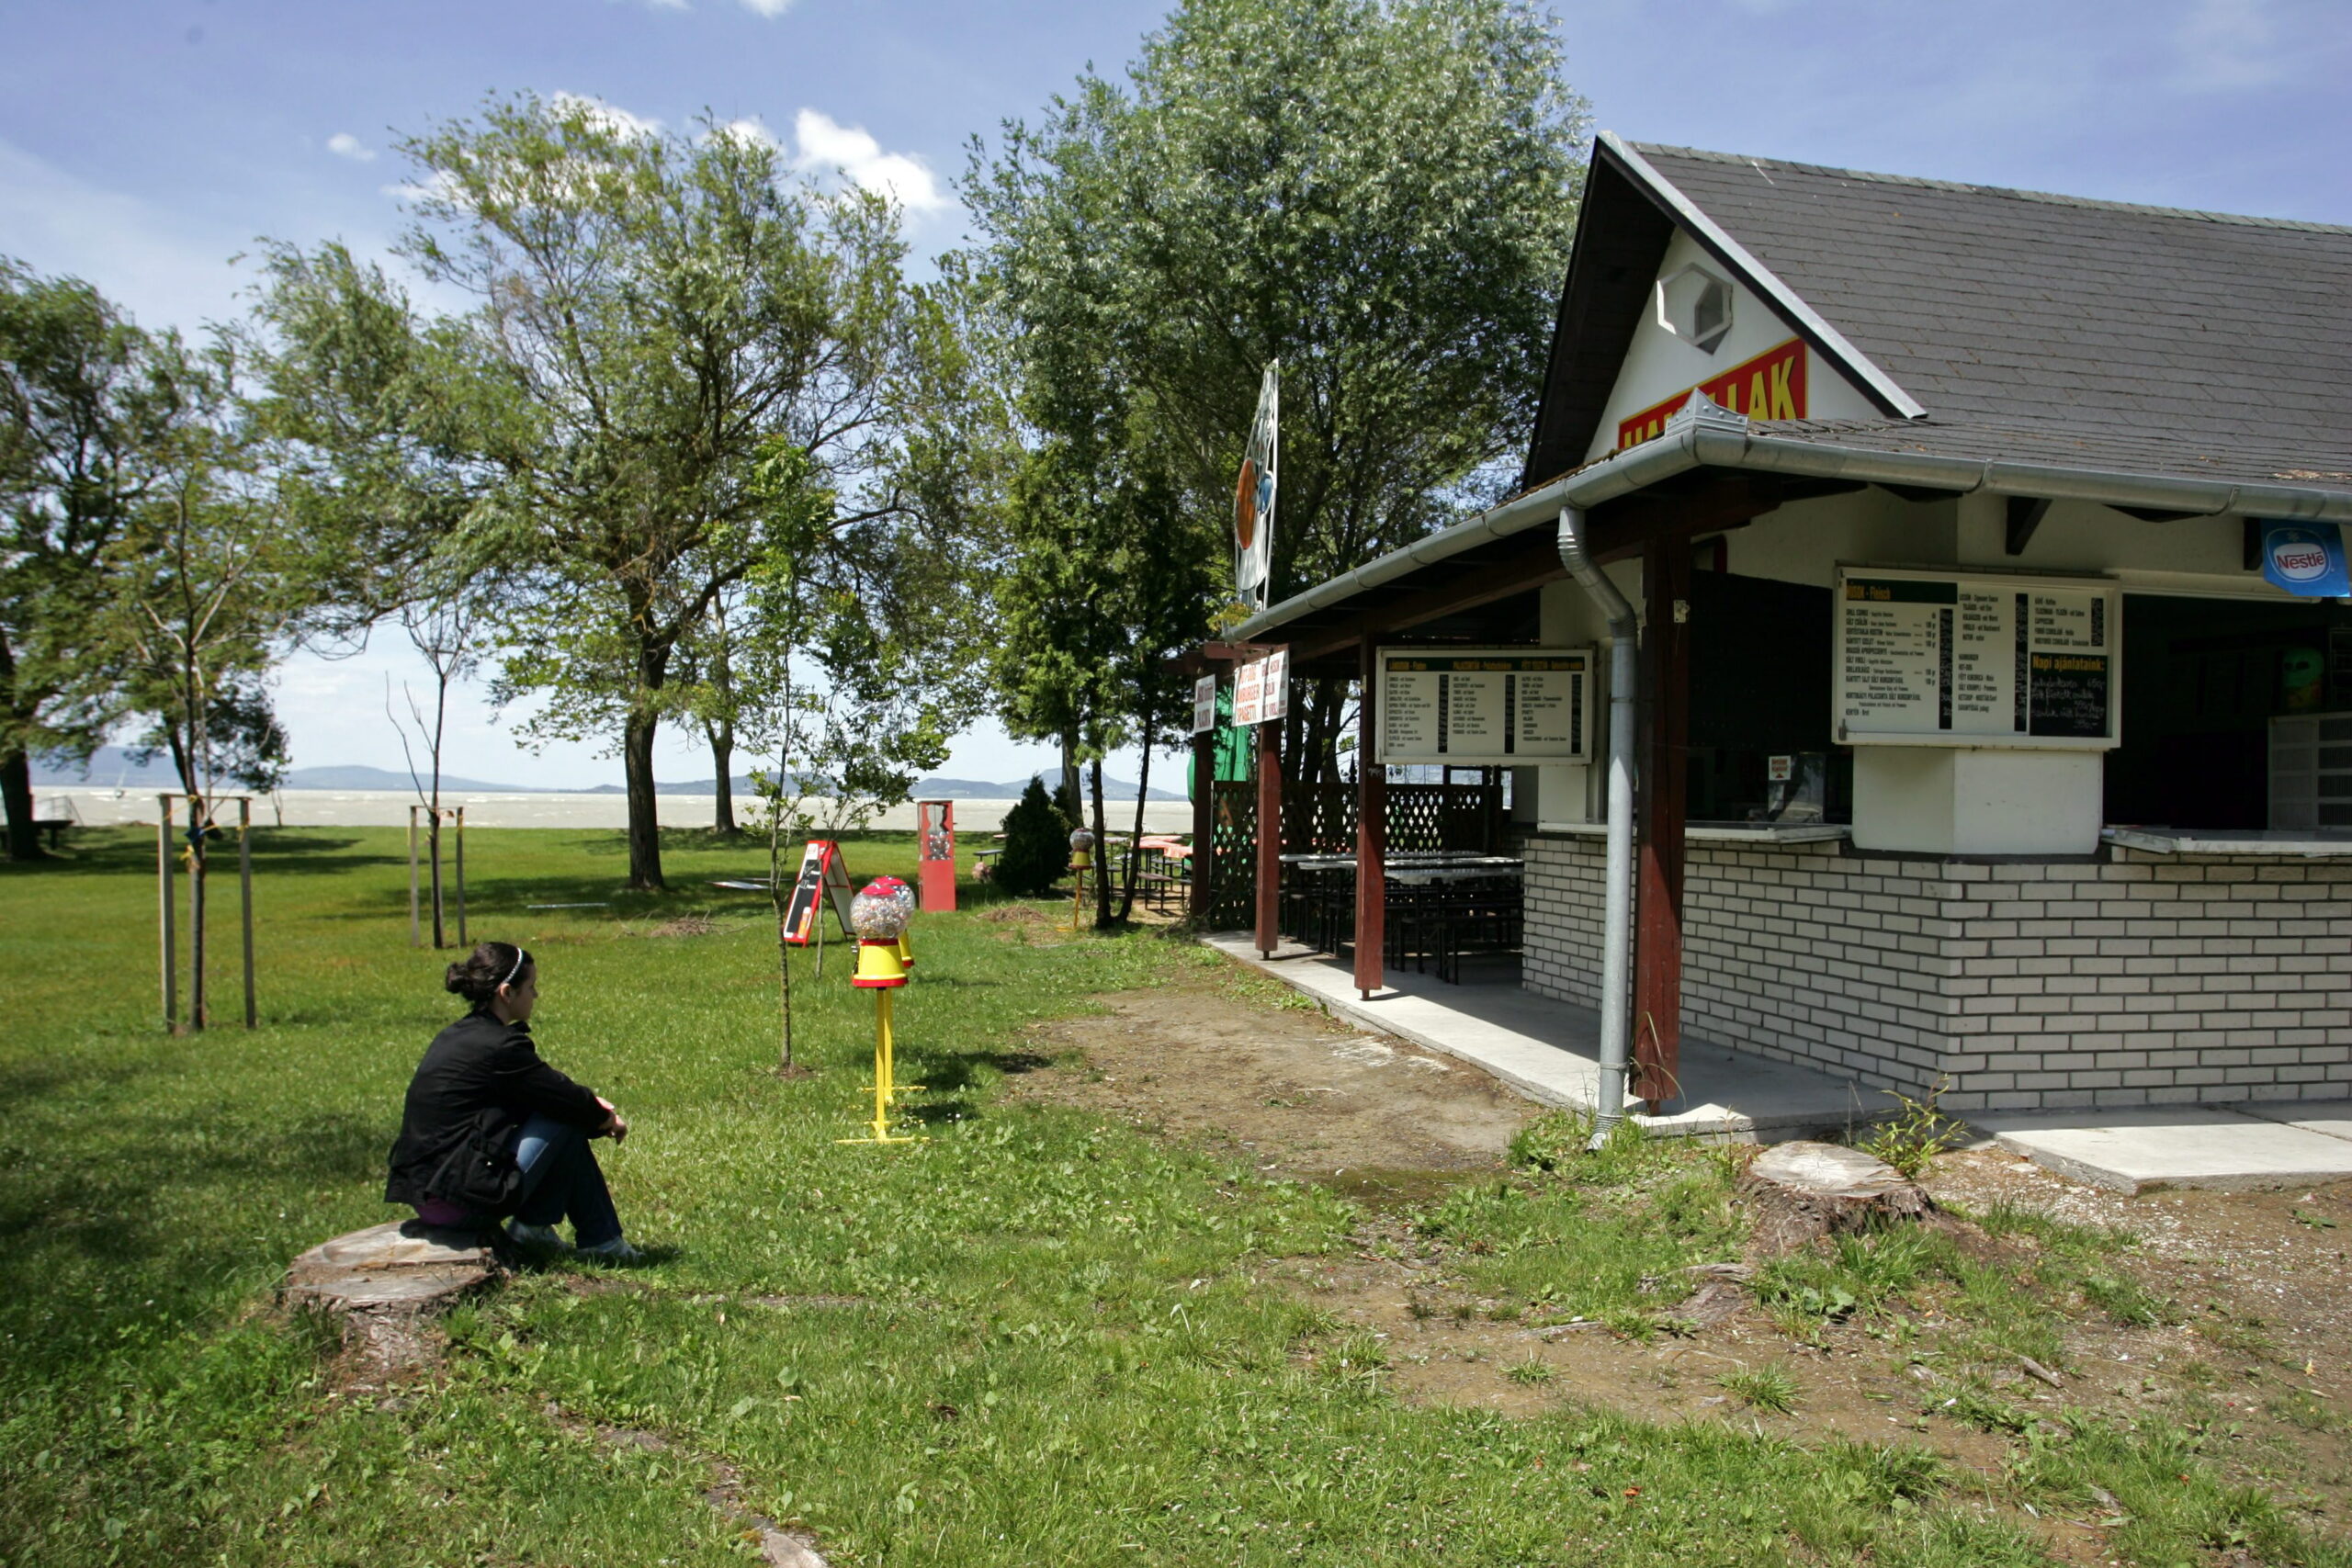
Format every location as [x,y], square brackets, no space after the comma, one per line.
[521,958]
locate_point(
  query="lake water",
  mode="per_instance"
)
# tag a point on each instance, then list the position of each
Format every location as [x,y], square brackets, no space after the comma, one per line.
[389,809]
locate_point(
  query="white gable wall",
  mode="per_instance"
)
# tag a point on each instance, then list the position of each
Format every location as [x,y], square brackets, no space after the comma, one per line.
[1658,364]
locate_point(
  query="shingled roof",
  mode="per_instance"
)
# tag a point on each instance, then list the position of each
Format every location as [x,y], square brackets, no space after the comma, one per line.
[2024,325]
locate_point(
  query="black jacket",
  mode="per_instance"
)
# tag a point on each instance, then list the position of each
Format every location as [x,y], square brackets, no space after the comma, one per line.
[479,1081]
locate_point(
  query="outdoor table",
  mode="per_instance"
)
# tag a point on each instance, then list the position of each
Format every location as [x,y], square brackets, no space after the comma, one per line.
[1441,903]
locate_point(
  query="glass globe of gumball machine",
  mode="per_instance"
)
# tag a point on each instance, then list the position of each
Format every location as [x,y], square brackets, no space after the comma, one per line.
[878,916]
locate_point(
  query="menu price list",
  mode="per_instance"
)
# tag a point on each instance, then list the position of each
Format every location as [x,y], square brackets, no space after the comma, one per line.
[1478,708]
[1978,660]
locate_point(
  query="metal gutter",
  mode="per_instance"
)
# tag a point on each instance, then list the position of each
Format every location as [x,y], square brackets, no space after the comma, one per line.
[1703,436]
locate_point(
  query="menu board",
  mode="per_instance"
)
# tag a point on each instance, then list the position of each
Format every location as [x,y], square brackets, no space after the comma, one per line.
[1260,690]
[1480,707]
[1926,658]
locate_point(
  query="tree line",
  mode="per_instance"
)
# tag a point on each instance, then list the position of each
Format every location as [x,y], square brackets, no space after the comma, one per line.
[679,439]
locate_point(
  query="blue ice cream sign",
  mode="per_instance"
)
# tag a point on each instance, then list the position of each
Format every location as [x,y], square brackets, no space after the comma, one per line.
[2306,559]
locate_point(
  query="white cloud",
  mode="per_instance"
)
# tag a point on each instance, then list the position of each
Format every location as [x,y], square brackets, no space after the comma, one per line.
[2227,44]
[617,121]
[343,144]
[751,129]
[906,179]
[768,8]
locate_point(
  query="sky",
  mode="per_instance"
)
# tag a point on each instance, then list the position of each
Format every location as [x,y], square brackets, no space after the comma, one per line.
[145,143]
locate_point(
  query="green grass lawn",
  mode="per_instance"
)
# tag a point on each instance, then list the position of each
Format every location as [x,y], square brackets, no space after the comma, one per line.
[1036,1337]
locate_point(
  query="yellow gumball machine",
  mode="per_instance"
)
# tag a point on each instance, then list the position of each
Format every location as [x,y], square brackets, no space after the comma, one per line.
[878,916]
[1082,866]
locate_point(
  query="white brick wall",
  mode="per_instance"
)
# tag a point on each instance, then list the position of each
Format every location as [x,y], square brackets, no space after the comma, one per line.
[2148,980]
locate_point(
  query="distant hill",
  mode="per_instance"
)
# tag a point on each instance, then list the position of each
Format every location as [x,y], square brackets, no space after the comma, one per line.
[350,776]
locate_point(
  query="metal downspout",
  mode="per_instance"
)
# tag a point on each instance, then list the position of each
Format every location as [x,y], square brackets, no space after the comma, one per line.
[1617,939]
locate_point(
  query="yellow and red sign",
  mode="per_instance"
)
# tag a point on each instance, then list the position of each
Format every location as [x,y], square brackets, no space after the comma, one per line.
[1771,386]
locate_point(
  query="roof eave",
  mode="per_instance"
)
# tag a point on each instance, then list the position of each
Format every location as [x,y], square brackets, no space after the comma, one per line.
[1718,439]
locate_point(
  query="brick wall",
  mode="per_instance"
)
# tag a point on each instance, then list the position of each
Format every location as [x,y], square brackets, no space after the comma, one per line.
[2144,980]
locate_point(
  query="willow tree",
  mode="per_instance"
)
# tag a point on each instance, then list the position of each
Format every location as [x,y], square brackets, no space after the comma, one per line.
[1379,194]
[649,310]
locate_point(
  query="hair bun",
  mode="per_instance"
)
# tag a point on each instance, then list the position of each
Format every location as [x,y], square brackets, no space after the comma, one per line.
[456,982]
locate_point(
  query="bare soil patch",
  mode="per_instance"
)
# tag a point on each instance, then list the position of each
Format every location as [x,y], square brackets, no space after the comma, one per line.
[2255,1346]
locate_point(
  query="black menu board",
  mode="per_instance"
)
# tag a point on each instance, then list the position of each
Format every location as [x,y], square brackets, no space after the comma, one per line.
[1483,707]
[1959,660]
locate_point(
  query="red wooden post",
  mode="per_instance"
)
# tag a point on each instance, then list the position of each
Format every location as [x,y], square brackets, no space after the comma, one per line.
[1372,834]
[1269,835]
[1663,790]
[1201,864]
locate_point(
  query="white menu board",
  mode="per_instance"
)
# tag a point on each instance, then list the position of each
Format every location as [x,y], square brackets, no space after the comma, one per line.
[1484,706]
[1929,658]
[1260,690]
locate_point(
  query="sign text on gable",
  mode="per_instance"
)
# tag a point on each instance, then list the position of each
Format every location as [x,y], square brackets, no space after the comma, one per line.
[1771,386]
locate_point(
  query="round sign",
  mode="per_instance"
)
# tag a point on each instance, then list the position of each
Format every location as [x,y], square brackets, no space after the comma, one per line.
[1245,504]
[2298,555]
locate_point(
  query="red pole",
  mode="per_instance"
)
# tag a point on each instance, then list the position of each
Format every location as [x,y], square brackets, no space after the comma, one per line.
[1269,834]
[1371,833]
[1664,788]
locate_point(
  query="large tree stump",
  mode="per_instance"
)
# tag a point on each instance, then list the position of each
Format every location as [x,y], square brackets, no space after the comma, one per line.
[1800,1192]
[387,1282]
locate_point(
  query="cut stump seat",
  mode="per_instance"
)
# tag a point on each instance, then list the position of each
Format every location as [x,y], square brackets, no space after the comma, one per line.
[385,1281]
[1802,1192]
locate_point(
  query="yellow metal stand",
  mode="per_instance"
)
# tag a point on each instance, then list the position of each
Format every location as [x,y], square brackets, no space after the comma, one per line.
[1077,897]
[883,1088]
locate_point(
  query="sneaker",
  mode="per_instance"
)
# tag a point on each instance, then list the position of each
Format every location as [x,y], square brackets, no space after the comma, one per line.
[613,1251]
[546,1238]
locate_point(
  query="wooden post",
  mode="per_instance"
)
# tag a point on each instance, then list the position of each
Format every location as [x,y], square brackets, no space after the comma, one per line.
[245,895]
[415,933]
[461,877]
[1270,836]
[1371,833]
[199,841]
[170,937]
[1664,788]
[1204,824]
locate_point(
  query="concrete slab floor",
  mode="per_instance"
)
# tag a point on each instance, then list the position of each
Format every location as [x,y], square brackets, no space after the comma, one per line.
[2250,1146]
[1548,1050]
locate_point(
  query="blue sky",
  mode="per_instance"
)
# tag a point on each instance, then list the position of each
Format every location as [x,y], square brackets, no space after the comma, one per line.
[144,142]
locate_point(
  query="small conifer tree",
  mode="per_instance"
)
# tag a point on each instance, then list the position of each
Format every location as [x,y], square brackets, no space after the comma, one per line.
[1036,844]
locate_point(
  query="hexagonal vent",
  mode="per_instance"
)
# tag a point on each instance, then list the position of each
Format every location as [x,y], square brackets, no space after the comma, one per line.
[1695,306]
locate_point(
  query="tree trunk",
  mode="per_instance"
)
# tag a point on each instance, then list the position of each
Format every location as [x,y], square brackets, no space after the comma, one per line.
[1134,844]
[722,757]
[432,852]
[1070,774]
[644,822]
[16,785]
[1102,848]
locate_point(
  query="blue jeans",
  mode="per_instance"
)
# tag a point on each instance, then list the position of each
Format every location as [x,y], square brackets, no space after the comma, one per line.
[560,1179]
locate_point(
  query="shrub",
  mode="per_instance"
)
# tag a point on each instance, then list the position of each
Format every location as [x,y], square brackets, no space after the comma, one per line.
[1036,844]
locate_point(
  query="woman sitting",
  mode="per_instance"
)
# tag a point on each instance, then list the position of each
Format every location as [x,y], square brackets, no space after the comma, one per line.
[489,1130]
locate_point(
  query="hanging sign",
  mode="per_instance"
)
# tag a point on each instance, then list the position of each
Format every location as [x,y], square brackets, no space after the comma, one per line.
[1930,659]
[824,877]
[1771,386]
[2306,559]
[1260,690]
[1204,705]
[1253,495]
[1476,707]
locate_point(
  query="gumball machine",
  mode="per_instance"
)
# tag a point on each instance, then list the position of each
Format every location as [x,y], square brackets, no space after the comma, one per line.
[878,916]
[1082,866]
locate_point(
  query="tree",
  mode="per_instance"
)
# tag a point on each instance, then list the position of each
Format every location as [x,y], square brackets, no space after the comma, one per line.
[84,398]
[1379,194]
[1036,844]
[652,309]
[1108,579]
[443,617]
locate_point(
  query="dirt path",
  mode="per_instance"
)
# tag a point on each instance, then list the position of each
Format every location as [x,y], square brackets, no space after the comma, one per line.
[2259,1344]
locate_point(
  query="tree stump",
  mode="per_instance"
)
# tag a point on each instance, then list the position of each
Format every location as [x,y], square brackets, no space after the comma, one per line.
[1799,1192]
[387,1282]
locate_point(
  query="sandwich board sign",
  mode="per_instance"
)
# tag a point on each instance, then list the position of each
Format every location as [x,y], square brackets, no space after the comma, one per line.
[824,877]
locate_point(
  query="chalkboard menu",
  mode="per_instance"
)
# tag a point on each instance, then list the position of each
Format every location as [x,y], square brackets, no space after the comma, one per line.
[1925,659]
[1481,708]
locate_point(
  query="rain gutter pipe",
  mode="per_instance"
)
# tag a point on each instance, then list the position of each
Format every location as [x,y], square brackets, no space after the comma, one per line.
[1617,931]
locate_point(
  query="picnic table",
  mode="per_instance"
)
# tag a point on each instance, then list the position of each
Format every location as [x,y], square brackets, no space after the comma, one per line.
[1440,904]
